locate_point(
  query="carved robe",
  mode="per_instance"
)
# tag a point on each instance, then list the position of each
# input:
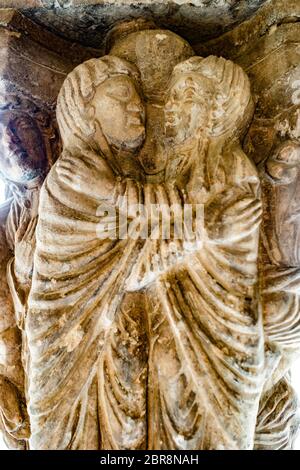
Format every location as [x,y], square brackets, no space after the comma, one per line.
[13,415]
[20,234]
[173,363]
[278,418]
[206,350]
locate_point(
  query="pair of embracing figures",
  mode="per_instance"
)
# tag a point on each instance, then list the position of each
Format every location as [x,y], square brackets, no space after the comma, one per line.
[138,343]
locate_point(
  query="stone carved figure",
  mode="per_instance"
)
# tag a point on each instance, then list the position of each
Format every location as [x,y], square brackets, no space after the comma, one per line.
[204,309]
[13,414]
[82,333]
[133,342]
[25,142]
[278,419]
[24,166]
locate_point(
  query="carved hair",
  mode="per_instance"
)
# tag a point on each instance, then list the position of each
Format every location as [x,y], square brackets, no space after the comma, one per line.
[74,115]
[232,105]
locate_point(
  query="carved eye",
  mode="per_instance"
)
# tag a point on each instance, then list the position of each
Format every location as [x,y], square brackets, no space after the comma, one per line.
[121,93]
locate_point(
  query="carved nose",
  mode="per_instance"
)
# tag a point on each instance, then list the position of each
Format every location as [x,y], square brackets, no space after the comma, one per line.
[135,108]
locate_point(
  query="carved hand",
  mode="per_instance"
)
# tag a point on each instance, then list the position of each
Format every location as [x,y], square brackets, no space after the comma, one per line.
[81,176]
[233,213]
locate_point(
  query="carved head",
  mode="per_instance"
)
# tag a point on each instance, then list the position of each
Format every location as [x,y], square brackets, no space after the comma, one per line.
[154,52]
[207,97]
[100,98]
[23,155]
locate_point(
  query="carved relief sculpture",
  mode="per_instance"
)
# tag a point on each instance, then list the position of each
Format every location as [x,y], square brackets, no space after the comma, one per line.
[280,295]
[149,291]
[135,342]
[26,151]
[31,75]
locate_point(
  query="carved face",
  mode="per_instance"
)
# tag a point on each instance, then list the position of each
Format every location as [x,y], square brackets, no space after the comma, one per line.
[187,108]
[120,113]
[22,150]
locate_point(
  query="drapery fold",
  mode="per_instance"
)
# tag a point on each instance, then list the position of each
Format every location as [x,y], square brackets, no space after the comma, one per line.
[157,362]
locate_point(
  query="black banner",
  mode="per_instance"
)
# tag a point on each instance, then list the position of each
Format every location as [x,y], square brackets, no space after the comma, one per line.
[137,459]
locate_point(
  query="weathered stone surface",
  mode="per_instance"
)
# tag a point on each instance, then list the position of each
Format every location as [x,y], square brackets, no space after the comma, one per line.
[278,418]
[14,423]
[239,41]
[30,57]
[88,22]
[155,108]
[269,51]
[89,305]
[31,76]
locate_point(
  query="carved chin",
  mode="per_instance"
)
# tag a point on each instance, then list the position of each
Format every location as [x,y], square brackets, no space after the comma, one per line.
[132,141]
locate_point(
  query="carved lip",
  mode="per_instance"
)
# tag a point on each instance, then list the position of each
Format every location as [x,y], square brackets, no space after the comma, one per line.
[135,119]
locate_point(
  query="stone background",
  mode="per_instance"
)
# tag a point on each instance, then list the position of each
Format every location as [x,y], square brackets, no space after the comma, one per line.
[88,21]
